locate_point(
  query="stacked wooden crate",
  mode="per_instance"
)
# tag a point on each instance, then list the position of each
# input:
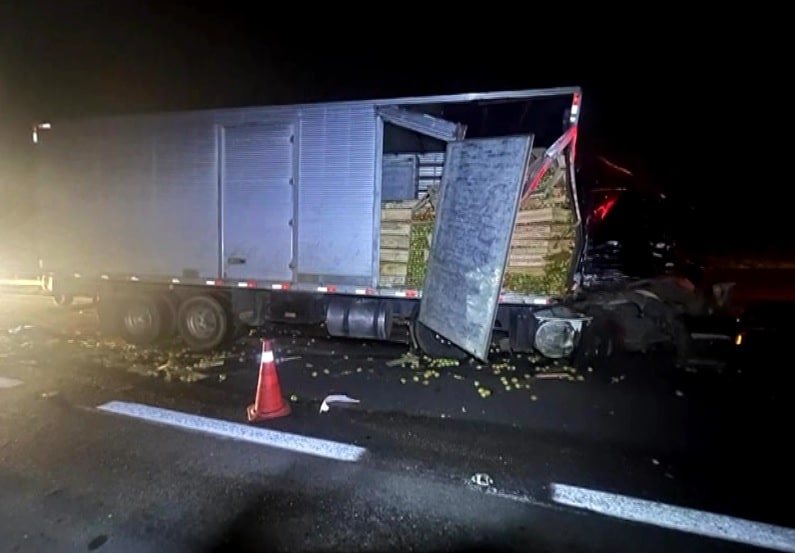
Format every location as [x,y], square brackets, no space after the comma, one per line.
[543,239]
[541,244]
[406,229]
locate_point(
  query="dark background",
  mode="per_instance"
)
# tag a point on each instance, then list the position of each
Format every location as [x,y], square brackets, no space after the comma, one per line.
[686,100]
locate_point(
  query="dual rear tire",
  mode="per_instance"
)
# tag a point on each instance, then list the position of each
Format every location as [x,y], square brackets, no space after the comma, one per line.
[202,321]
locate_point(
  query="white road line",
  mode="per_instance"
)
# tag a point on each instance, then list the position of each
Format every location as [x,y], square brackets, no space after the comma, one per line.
[9,382]
[676,518]
[262,436]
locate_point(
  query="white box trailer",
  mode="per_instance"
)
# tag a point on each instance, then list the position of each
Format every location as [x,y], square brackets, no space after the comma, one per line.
[205,222]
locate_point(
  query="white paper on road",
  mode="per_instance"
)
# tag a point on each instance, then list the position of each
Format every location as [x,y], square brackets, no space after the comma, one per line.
[282,440]
[676,518]
[335,398]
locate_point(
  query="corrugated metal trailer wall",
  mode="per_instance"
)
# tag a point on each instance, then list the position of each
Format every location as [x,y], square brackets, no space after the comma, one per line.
[286,193]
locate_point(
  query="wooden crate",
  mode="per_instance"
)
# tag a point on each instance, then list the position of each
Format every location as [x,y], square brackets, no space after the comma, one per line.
[396,215]
[395,229]
[544,215]
[548,246]
[540,231]
[395,241]
[394,253]
[543,233]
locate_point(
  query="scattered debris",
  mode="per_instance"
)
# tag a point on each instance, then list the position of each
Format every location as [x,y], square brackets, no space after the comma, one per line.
[210,363]
[555,376]
[442,362]
[335,398]
[404,360]
[19,328]
[482,480]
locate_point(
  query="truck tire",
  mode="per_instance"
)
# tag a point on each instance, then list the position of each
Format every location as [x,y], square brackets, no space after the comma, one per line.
[141,320]
[203,323]
[433,345]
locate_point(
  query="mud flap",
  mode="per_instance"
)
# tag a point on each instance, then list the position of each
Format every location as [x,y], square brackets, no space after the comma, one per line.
[479,198]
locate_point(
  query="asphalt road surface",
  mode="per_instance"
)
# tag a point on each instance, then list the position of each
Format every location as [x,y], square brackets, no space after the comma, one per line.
[107,447]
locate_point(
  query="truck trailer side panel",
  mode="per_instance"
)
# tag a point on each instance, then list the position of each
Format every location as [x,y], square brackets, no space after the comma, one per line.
[257,180]
[129,196]
[282,193]
[338,195]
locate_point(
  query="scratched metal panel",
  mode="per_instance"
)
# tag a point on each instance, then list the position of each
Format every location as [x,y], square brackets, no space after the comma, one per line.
[130,195]
[481,186]
[399,177]
[336,194]
[258,201]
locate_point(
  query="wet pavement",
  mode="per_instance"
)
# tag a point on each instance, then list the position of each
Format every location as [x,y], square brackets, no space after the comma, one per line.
[76,478]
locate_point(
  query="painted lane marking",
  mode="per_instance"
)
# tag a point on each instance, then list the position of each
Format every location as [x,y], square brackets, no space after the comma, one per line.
[282,440]
[676,518]
[9,382]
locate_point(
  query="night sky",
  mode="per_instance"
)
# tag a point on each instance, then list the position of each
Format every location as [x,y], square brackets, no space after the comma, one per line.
[652,82]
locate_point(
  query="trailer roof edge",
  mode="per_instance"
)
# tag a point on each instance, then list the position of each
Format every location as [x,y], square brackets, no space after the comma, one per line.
[520,94]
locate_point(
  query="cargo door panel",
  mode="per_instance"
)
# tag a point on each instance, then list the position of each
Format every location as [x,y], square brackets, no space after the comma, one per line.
[257,202]
[479,198]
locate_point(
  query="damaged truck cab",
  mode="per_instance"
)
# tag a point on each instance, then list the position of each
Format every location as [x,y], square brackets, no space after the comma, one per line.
[454,215]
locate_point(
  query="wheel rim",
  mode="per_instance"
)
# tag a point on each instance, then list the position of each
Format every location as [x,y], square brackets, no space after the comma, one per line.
[201,322]
[138,320]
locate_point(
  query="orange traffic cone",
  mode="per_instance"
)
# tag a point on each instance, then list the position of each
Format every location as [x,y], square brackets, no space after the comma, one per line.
[268,403]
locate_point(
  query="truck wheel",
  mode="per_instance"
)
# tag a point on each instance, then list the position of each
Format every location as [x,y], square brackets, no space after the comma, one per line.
[433,345]
[202,323]
[63,300]
[141,320]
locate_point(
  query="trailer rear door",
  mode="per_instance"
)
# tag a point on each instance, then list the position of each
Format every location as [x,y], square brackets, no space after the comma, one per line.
[257,202]
[479,198]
